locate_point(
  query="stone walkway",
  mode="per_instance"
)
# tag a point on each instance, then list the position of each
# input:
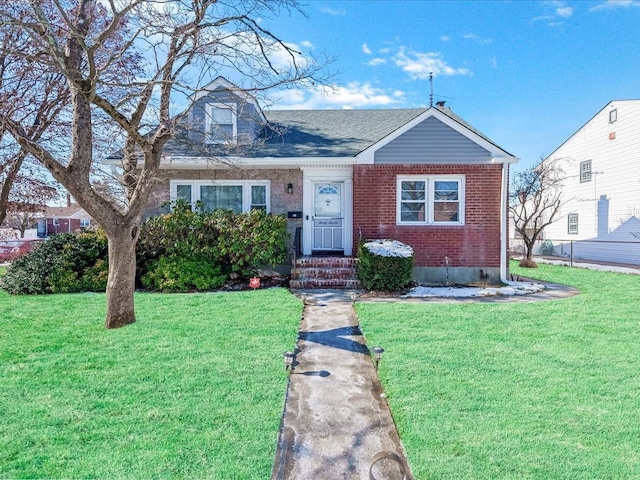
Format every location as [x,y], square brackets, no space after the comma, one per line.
[336,419]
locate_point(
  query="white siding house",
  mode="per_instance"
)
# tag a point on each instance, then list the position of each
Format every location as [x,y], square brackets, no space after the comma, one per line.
[600,214]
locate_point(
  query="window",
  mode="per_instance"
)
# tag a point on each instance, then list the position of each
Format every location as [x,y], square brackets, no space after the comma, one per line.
[221,123]
[85,223]
[613,115]
[237,195]
[56,222]
[430,200]
[572,226]
[585,171]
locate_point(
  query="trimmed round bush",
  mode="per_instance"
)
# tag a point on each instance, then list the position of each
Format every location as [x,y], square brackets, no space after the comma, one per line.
[385,265]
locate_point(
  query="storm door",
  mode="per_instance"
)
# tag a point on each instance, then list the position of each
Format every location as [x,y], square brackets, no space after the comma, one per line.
[328,217]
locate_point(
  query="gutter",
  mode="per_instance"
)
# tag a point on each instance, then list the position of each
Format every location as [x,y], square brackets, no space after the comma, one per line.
[504,223]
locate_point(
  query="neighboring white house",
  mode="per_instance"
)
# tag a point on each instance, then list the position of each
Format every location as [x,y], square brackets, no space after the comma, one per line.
[601,193]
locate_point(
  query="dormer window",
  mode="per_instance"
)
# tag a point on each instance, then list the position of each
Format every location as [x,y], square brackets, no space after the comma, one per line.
[221,123]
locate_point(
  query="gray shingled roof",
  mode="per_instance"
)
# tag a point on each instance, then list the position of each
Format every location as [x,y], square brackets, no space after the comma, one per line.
[330,133]
[320,133]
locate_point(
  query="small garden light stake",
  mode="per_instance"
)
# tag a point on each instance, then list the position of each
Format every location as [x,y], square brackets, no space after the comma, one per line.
[288,360]
[377,355]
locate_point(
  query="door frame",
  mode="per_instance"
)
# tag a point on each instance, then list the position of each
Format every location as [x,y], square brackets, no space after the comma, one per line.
[311,176]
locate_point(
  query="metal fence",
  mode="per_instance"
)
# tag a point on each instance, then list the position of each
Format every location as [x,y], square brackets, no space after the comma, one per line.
[602,251]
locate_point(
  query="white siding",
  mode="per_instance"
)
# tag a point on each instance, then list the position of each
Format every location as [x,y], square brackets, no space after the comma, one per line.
[607,204]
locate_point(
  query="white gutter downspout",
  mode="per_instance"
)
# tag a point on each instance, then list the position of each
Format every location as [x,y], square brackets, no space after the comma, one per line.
[503,223]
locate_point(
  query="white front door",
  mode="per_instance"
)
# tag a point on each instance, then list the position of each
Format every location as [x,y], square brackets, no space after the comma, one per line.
[328,216]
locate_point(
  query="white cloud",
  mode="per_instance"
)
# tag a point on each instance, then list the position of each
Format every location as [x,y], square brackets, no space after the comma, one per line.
[351,95]
[419,65]
[385,50]
[564,12]
[306,44]
[611,4]
[445,38]
[542,18]
[366,49]
[555,11]
[477,38]
[333,12]
[493,62]
[374,62]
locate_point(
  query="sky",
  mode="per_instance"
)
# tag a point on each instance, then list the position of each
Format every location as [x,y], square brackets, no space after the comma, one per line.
[526,73]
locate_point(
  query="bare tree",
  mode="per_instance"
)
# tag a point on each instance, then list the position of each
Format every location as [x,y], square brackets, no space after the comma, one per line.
[123,61]
[29,196]
[534,201]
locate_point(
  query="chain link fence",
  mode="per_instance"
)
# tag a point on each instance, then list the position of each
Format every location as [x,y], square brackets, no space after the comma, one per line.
[599,251]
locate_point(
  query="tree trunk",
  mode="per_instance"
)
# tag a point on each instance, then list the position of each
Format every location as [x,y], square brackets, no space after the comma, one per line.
[527,261]
[122,277]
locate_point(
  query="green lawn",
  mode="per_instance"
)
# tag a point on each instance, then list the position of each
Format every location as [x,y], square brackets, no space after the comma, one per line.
[194,389]
[520,390]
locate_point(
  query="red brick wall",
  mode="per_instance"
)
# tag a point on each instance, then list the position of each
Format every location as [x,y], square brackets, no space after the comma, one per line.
[475,244]
[64,225]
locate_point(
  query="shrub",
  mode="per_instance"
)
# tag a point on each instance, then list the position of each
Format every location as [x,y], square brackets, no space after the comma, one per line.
[173,274]
[237,243]
[384,264]
[251,239]
[64,263]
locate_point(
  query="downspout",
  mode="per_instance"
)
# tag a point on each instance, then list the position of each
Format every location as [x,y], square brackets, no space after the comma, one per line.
[504,223]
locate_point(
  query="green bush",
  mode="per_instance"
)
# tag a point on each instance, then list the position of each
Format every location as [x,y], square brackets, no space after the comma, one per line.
[237,243]
[173,274]
[64,263]
[251,239]
[387,270]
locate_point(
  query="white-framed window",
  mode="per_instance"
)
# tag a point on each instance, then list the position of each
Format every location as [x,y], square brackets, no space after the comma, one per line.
[613,115]
[572,223]
[585,171]
[56,222]
[221,123]
[85,223]
[237,195]
[430,200]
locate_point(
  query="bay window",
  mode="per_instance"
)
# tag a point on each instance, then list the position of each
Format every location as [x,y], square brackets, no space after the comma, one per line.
[430,200]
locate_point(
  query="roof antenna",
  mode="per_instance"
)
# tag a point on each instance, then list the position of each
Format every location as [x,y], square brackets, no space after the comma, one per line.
[431,94]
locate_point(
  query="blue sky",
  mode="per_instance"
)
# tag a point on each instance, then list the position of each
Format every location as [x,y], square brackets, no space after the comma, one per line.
[526,73]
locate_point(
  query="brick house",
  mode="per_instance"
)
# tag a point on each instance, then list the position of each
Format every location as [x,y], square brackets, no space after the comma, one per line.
[421,176]
[70,218]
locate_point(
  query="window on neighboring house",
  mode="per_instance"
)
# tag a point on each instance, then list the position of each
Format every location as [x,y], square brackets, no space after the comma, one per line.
[572,223]
[613,115]
[237,195]
[430,200]
[85,223]
[221,123]
[585,171]
[56,222]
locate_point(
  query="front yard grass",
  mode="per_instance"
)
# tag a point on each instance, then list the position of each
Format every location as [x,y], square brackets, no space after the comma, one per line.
[193,389]
[517,390]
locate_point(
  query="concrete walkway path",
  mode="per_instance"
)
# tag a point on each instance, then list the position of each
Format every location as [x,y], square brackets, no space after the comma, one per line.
[336,421]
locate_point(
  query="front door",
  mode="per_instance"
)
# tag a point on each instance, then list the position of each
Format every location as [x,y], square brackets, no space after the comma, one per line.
[328,217]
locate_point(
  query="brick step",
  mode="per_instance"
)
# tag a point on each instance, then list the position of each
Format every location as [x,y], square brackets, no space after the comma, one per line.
[316,272]
[325,272]
[326,262]
[337,283]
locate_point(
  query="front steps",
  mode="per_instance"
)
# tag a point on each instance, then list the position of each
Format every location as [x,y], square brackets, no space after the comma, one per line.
[325,272]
